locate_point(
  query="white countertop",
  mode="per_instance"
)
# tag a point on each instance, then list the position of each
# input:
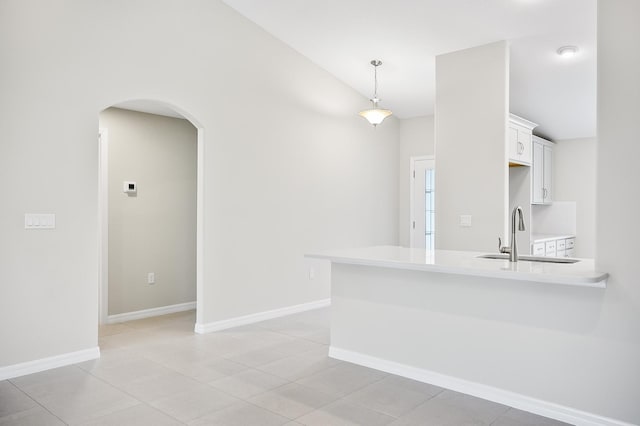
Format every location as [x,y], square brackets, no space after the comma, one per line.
[541,238]
[467,263]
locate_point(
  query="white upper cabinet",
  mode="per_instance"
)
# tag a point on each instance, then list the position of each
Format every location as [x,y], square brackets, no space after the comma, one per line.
[520,136]
[542,171]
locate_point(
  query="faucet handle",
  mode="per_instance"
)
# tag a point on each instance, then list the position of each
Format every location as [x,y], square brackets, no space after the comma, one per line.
[501,248]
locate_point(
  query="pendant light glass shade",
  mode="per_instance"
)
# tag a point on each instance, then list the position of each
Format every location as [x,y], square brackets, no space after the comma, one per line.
[375,115]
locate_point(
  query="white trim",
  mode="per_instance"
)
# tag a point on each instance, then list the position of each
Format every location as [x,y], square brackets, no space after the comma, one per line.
[152,312]
[103,220]
[522,121]
[260,316]
[200,209]
[30,367]
[512,399]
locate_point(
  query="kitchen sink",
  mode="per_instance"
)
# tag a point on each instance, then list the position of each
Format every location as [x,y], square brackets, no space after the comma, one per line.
[531,258]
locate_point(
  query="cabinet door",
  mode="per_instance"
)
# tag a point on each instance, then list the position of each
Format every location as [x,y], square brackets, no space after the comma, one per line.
[524,146]
[537,174]
[519,144]
[547,173]
[513,143]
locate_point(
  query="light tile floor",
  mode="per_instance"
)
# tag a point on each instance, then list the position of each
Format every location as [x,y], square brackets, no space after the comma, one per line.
[156,371]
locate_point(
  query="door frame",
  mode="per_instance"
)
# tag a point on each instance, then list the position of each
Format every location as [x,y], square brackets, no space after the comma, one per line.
[412,170]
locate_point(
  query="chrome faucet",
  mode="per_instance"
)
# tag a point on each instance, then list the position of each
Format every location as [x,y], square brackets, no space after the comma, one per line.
[513,248]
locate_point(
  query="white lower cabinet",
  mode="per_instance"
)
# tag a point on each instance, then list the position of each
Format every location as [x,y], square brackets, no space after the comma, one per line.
[550,248]
[538,249]
[570,250]
[561,245]
[554,247]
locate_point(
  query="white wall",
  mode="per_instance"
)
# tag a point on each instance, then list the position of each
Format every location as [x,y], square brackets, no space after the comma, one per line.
[155,230]
[574,179]
[289,166]
[416,139]
[472,88]
[618,174]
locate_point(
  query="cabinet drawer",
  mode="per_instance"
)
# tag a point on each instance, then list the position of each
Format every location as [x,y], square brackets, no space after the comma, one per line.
[561,253]
[570,243]
[550,247]
[538,249]
[560,245]
[570,253]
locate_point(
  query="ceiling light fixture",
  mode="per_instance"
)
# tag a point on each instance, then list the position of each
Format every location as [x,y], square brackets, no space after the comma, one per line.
[375,115]
[567,51]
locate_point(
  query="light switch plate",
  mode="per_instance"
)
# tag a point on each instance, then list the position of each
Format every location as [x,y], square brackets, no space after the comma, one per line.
[39,221]
[465,220]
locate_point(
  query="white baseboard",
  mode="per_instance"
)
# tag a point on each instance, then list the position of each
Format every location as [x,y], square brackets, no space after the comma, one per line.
[512,399]
[24,368]
[260,316]
[153,312]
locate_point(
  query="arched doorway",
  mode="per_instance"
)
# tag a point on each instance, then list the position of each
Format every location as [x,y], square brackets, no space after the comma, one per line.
[130,230]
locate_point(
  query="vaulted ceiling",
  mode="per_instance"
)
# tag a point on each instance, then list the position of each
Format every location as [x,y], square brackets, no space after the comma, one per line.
[342,36]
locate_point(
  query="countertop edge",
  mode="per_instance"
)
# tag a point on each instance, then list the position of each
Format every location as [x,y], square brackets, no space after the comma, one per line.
[598,280]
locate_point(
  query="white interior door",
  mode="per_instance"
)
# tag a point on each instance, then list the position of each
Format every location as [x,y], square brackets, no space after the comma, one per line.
[422,226]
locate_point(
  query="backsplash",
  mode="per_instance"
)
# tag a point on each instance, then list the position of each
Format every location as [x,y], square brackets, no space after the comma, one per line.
[557,218]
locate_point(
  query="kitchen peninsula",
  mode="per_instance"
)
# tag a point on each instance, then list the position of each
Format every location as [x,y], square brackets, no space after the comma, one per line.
[458,321]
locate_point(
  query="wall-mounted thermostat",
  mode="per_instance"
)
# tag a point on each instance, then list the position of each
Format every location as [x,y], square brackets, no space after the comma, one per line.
[130,187]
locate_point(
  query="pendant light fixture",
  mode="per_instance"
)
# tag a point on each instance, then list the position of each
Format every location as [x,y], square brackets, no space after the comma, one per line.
[375,115]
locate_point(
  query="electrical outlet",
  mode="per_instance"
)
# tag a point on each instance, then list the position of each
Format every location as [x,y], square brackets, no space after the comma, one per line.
[312,274]
[465,220]
[151,278]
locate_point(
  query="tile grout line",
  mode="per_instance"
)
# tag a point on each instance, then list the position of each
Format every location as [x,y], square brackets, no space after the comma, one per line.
[34,400]
[385,375]
[128,394]
[387,414]
[286,384]
[500,416]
